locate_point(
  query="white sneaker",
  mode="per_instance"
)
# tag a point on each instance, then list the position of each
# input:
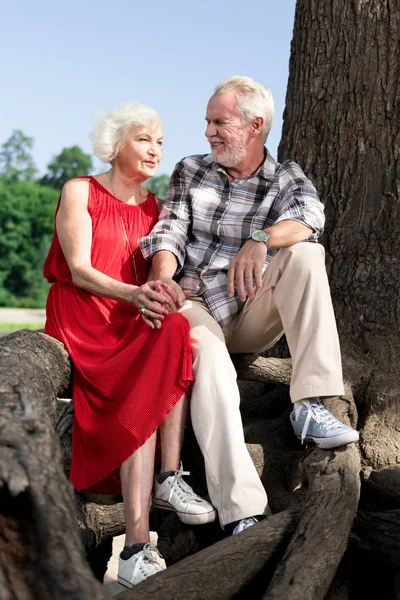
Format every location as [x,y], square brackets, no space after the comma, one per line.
[139,567]
[176,495]
[245,524]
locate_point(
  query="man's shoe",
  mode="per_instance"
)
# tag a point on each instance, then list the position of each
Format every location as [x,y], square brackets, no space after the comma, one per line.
[315,423]
[139,567]
[245,524]
[176,495]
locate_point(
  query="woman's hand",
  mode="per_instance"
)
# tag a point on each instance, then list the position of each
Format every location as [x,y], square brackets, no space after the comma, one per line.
[175,295]
[152,300]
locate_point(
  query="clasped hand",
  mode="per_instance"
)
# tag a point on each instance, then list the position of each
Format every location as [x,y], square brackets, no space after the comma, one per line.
[158,299]
[245,269]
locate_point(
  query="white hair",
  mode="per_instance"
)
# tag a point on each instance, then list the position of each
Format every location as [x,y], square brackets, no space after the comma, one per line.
[112,127]
[253,100]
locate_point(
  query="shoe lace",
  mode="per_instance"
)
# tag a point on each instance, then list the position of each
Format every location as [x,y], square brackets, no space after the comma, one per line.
[182,485]
[318,412]
[248,522]
[147,556]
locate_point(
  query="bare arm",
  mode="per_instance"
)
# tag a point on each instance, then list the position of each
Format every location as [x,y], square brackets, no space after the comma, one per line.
[74,229]
[287,233]
[247,264]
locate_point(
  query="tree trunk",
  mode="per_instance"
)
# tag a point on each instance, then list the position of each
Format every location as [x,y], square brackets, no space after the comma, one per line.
[41,555]
[341,124]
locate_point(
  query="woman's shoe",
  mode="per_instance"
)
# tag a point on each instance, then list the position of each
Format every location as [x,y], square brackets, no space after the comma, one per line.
[139,566]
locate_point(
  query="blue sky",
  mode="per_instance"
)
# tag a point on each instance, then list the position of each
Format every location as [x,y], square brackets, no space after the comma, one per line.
[63,61]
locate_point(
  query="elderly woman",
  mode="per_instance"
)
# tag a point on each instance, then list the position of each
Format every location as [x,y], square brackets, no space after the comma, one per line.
[132,359]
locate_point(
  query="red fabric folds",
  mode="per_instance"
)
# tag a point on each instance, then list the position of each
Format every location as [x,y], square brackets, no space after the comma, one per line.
[127,377]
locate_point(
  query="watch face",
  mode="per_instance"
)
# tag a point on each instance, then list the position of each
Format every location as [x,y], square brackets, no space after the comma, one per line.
[260,236]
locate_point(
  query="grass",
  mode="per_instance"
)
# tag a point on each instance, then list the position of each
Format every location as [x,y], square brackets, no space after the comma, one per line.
[6,328]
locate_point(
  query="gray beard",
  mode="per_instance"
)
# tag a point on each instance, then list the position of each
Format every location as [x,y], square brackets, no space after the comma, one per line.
[233,154]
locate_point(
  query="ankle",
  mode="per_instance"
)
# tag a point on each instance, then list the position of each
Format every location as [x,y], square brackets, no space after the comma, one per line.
[130,549]
[161,477]
[229,527]
[170,466]
[297,406]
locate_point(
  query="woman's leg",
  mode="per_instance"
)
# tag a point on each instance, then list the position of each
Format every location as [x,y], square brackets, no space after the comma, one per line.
[171,491]
[137,481]
[171,434]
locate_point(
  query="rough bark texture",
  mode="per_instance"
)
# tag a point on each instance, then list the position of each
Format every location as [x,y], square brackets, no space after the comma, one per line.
[293,554]
[341,124]
[40,551]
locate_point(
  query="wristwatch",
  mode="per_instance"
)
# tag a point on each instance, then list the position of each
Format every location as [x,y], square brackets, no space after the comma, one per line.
[260,236]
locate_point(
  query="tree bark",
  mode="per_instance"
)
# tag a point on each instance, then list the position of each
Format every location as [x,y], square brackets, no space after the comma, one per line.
[294,554]
[341,125]
[41,555]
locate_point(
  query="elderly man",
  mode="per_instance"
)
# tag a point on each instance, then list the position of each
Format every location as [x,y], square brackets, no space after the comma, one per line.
[238,232]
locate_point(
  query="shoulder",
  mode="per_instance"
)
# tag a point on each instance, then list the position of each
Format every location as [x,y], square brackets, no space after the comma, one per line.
[192,164]
[196,161]
[156,201]
[289,172]
[76,190]
[76,185]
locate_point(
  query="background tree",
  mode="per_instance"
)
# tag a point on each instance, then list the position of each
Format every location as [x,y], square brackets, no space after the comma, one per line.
[71,162]
[26,226]
[16,162]
[158,185]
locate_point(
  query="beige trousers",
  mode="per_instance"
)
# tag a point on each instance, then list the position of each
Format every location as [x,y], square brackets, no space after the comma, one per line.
[295,299]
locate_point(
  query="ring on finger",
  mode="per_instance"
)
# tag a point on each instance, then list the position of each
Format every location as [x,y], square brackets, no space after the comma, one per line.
[143,310]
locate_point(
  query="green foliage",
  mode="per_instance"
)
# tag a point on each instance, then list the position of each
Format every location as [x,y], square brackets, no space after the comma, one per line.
[27,216]
[71,162]
[16,162]
[158,185]
[26,227]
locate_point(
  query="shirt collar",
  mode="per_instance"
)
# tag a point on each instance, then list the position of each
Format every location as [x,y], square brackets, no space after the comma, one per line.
[266,170]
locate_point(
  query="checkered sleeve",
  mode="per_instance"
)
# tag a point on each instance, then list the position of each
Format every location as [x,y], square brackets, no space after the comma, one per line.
[171,231]
[299,200]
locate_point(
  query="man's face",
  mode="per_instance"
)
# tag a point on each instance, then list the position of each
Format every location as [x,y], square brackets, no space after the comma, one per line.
[226,132]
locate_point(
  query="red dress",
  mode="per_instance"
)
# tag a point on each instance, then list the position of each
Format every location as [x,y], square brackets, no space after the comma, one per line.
[127,377]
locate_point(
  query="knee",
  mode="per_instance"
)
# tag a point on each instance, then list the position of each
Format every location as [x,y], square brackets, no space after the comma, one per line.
[208,348]
[306,256]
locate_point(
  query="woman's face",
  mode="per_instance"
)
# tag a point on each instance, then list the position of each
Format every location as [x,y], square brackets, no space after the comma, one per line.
[141,152]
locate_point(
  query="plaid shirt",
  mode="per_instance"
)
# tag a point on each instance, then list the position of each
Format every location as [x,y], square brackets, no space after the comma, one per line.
[206,219]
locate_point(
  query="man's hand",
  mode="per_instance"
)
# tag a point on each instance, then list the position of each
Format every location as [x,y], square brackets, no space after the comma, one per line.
[176,296]
[246,268]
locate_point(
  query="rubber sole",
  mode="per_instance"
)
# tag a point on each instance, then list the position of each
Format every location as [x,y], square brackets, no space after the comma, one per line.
[334,442]
[126,584]
[187,518]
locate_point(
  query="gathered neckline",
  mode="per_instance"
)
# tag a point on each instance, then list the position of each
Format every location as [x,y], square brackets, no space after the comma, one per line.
[93,178]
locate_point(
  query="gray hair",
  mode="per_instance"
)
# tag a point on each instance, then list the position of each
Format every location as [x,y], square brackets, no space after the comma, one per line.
[112,127]
[253,100]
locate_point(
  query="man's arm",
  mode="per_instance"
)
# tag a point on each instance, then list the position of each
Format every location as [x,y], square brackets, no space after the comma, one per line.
[287,233]
[299,216]
[170,233]
[166,244]
[247,265]
[164,265]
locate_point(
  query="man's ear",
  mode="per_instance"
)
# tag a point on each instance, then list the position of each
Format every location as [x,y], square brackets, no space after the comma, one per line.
[257,125]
